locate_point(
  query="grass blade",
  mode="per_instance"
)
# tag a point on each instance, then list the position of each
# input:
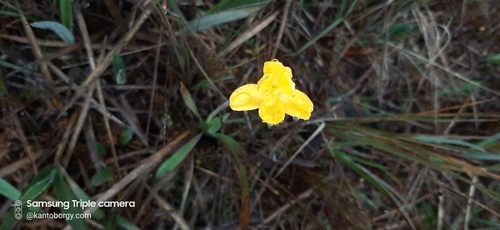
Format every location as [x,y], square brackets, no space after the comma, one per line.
[80,194]
[211,20]
[124,223]
[8,190]
[189,101]
[65,193]
[174,161]
[34,190]
[334,24]
[66,13]
[57,28]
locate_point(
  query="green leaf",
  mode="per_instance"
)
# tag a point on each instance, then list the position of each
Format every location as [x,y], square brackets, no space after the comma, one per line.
[221,5]
[172,162]
[12,66]
[225,117]
[39,184]
[484,156]
[57,28]
[14,11]
[80,194]
[178,11]
[490,140]
[216,111]
[66,13]
[65,193]
[397,30]
[206,83]
[493,223]
[446,140]
[371,177]
[494,59]
[211,20]
[126,136]
[212,126]
[33,191]
[29,95]
[102,177]
[110,224]
[101,150]
[124,223]
[119,68]
[189,101]
[8,190]
[463,89]
[238,4]
[230,142]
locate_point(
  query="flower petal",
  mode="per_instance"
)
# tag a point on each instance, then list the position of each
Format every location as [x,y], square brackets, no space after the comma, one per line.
[297,105]
[276,76]
[271,110]
[246,98]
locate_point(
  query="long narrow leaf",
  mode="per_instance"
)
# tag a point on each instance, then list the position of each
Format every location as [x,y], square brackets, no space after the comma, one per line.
[65,193]
[189,101]
[8,190]
[80,194]
[66,13]
[172,162]
[57,28]
[211,20]
[35,189]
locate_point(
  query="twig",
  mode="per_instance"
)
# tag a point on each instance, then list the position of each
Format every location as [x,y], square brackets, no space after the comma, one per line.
[78,126]
[318,130]
[440,213]
[472,190]
[20,134]
[178,218]
[153,82]
[249,33]
[288,3]
[66,135]
[285,207]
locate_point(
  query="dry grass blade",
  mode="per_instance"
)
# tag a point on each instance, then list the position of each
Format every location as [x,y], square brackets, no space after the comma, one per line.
[285,207]
[35,48]
[104,64]
[472,190]
[41,42]
[168,207]
[286,11]
[252,31]
[318,131]
[15,166]
[155,80]
[78,126]
[20,134]
[66,135]
[90,55]
[142,169]
[195,59]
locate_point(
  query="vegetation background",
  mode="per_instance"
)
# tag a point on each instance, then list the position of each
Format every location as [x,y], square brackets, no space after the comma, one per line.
[126,100]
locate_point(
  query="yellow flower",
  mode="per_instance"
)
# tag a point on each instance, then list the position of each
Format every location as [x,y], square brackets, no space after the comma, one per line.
[274,95]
